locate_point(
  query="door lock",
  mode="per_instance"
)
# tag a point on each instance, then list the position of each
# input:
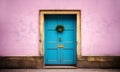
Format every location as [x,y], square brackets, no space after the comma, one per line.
[60,39]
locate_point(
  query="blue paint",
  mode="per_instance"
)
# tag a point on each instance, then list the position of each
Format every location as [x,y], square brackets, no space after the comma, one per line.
[52,54]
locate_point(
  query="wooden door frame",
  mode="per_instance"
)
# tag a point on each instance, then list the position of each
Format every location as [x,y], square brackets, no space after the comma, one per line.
[78,28]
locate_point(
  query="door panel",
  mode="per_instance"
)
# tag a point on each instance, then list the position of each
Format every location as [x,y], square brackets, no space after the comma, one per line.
[68,36]
[52,54]
[67,56]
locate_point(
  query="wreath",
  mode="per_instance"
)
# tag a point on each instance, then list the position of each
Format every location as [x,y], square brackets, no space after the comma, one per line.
[60,28]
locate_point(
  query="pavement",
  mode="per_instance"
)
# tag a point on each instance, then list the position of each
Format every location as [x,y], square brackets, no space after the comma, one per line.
[59,70]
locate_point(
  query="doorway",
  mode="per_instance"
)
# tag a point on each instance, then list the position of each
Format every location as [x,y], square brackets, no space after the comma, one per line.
[60,48]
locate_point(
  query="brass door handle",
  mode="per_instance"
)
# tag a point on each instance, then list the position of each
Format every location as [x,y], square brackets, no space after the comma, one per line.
[60,46]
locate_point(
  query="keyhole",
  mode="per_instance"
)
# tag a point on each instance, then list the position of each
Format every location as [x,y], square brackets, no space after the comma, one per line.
[59,39]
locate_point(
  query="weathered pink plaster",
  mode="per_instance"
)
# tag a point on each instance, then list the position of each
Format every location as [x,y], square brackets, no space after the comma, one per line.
[19,25]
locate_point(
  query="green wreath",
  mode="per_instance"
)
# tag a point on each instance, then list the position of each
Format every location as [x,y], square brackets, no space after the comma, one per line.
[60,28]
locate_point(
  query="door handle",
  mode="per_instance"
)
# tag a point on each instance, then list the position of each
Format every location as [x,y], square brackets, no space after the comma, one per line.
[60,46]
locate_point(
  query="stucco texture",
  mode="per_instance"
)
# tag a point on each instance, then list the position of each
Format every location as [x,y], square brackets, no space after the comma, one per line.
[19,26]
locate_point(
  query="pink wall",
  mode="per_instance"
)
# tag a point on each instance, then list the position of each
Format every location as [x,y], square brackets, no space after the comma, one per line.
[19,22]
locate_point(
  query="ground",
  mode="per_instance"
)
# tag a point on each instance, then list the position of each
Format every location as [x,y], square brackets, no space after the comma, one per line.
[59,70]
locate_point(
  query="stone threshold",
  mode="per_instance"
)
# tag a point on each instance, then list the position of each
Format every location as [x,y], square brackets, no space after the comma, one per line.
[60,67]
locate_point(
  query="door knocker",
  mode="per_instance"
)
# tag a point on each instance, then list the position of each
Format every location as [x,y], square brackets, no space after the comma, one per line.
[60,28]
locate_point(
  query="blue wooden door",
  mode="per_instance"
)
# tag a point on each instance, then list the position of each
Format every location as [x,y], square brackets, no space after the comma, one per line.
[53,55]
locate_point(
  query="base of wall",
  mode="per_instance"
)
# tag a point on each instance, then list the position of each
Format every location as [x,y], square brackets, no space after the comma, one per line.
[21,62]
[37,62]
[96,64]
[99,62]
